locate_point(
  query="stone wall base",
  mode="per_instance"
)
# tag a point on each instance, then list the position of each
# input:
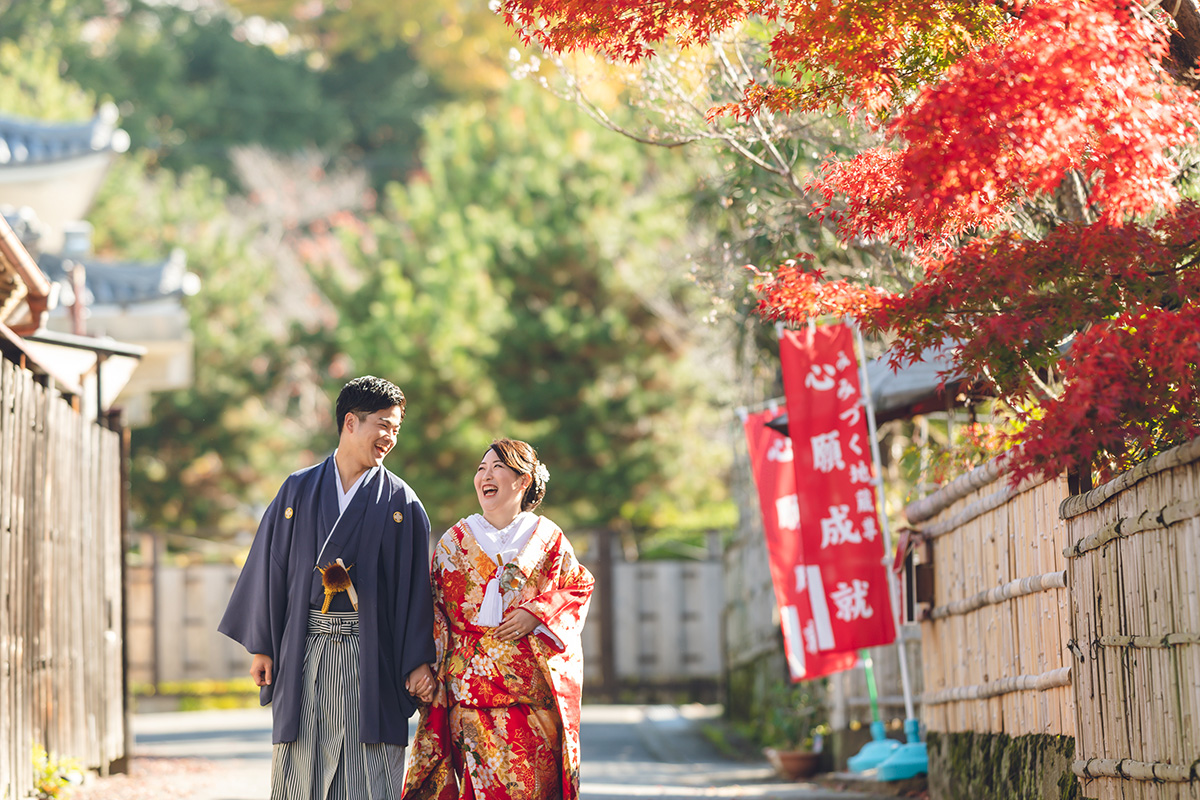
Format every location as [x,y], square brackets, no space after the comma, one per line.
[993,766]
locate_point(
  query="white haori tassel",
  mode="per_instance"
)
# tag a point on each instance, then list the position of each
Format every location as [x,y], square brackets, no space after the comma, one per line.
[350,586]
[500,546]
[491,610]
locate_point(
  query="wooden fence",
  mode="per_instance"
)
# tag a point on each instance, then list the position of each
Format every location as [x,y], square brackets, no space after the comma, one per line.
[653,630]
[1076,616]
[1134,579]
[995,636]
[60,583]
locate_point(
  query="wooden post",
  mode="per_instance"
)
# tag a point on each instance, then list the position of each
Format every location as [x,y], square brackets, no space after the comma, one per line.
[605,585]
[122,763]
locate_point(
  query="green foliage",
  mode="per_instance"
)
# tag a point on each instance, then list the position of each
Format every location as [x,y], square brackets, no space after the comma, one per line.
[520,283]
[54,777]
[793,715]
[190,87]
[58,21]
[201,695]
[212,454]
[759,217]
[381,99]
[31,84]
[514,289]
[198,688]
[461,44]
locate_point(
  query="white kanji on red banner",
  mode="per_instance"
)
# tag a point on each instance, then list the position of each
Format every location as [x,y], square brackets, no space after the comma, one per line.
[787,513]
[771,457]
[827,452]
[851,600]
[836,490]
[837,528]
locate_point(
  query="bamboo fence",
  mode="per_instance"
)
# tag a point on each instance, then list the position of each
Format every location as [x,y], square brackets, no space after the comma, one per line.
[995,639]
[1134,579]
[60,583]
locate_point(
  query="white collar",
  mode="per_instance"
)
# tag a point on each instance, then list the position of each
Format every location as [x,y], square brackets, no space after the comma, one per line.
[344,497]
[509,541]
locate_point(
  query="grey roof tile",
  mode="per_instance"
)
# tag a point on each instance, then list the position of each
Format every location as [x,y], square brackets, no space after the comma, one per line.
[125,283]
[24,142]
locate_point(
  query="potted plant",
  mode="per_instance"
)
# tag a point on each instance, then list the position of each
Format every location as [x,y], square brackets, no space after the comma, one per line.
[792,729]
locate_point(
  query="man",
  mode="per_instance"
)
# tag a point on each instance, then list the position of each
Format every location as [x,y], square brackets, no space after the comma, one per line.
[334,604]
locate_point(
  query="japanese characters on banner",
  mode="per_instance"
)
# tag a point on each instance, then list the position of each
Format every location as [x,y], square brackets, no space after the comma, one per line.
[771,459]
[846,578]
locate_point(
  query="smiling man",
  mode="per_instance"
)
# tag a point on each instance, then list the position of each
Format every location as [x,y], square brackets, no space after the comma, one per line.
[334,605]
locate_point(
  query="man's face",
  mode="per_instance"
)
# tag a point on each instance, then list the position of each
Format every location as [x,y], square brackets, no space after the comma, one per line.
[368,440]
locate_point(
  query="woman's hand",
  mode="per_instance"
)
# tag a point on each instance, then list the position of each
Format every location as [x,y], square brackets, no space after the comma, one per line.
[516,623]
[421,684]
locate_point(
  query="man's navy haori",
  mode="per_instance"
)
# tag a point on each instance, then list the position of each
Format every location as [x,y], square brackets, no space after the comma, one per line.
[383,536]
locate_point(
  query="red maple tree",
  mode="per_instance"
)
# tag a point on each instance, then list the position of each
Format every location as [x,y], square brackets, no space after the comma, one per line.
[1035,171]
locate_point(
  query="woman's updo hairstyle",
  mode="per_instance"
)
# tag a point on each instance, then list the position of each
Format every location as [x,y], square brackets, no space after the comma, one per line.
[521,458]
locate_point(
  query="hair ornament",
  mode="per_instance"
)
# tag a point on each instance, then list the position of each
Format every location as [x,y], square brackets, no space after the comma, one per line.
[542,473]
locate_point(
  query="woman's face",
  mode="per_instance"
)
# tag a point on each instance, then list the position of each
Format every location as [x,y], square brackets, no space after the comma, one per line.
[499,487]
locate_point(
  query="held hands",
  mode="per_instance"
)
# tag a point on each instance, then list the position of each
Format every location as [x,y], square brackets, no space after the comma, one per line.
[421,684]
[260,670]
[516,623]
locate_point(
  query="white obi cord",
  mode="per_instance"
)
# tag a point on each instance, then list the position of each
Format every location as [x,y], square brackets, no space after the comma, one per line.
[502,546]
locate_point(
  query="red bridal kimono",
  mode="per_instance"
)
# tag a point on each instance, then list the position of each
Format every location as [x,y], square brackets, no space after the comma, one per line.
[505,723]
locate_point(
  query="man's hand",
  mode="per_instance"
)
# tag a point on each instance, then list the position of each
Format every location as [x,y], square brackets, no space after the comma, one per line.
[517,623]
[260,670]
[421,684]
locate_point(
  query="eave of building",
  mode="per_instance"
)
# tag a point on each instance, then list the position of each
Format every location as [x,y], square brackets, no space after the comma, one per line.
[26,142]
[57,168]
[46,171]
[17,350]
[21,279]
[124,284]
[97,370]
[12,289]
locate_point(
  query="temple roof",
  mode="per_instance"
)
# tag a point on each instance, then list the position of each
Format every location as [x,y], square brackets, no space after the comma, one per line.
[25,142]
[124,283]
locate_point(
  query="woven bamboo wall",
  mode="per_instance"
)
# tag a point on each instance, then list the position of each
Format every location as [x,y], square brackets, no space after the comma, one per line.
[1135,584]
[994,639]
[60,583]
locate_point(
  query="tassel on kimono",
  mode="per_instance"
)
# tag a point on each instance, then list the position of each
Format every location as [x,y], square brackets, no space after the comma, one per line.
[335,577]
[491,610]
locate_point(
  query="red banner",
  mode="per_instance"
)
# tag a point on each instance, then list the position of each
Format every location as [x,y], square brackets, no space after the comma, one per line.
[771,459]
[847,580]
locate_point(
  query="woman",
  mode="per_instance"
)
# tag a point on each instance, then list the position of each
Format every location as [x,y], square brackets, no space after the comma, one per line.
[509,603]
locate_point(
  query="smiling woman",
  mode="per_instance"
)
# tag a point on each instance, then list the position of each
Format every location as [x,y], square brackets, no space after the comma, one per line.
[509,601]
[509,480]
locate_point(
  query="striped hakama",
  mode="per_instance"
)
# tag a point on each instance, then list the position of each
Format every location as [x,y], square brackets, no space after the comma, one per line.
[327,761]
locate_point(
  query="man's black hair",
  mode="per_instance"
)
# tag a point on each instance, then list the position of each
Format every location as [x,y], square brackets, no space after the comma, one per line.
[366,395]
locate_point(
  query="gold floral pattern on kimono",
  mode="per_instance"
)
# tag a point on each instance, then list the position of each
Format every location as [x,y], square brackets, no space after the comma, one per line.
[505,722]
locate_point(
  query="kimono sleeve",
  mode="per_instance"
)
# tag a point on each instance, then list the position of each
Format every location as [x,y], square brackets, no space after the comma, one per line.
[418,647]
[562,602]
[441,562]
[258,606]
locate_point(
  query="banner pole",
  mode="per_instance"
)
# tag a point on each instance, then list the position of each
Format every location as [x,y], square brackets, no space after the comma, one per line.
[912,758]
[872,691]
[885,528]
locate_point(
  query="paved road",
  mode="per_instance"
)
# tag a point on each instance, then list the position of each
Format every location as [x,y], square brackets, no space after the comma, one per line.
[628,752]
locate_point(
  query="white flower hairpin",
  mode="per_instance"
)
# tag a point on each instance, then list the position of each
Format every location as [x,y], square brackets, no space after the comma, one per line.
[542,473]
